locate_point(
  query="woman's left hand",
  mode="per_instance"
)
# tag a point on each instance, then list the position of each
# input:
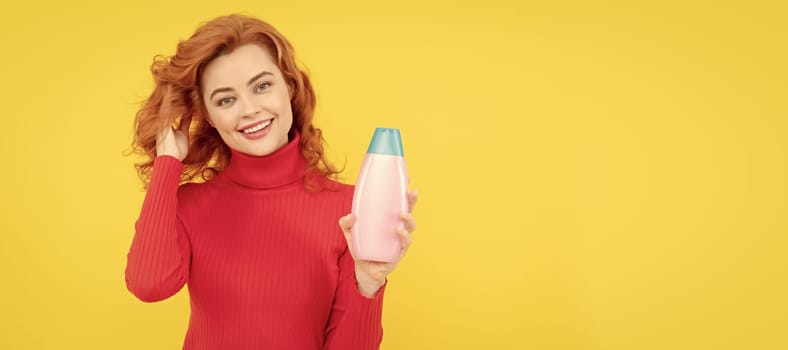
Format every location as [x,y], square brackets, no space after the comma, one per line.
[371,275]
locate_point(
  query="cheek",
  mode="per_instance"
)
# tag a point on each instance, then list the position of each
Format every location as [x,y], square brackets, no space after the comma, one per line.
[220,119]
[284,105]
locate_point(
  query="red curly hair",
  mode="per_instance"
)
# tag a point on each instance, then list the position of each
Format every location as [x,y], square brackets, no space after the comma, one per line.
[208,155]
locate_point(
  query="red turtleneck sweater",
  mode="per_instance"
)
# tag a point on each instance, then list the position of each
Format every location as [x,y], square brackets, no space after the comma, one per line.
[266,263]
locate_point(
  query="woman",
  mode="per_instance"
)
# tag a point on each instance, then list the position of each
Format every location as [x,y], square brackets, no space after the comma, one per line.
[242,205]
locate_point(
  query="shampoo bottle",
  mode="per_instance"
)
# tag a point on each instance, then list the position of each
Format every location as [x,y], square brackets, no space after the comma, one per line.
[380,197]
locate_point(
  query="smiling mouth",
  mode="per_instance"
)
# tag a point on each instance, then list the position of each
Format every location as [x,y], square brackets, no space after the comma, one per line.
[257,127]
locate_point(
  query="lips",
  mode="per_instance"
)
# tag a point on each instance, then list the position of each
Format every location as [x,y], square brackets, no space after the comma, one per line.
[252,128]
[257,130]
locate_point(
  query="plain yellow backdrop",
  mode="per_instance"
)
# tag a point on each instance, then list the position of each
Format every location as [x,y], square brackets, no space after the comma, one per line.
[593,175]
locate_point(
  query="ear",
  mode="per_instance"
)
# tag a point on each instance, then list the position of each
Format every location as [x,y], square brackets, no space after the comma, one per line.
[197,96]
[291,89]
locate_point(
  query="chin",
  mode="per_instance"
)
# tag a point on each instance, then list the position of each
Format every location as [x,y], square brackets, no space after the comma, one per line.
[258,151]
[263,149]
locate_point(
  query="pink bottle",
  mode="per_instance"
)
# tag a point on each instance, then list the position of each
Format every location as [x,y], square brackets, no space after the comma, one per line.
[379,198]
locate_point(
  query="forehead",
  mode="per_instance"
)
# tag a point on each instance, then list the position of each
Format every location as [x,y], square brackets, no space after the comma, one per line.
[236,67]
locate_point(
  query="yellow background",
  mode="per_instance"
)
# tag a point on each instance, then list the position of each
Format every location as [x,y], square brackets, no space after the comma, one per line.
[593,175]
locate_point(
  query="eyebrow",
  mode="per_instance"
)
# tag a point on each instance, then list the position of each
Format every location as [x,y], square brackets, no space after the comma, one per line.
[254,78]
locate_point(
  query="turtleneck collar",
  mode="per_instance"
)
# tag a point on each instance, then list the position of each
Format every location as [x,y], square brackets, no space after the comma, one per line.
[282,167]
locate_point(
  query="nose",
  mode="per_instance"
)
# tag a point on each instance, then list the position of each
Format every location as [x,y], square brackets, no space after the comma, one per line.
[250,108]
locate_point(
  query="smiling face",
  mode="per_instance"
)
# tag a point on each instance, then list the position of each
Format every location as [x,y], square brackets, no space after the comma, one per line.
[248,100]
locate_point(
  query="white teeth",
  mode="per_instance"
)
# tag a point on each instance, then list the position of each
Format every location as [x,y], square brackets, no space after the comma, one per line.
[257,128]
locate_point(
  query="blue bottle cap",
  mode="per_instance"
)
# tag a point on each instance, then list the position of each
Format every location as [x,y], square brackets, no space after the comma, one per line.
[386,141]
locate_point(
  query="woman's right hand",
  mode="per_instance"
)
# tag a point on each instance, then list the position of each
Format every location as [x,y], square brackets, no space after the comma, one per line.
[170,141]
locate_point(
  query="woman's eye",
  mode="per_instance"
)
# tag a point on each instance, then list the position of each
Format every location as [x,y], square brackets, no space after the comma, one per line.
[225,101]
[263,86]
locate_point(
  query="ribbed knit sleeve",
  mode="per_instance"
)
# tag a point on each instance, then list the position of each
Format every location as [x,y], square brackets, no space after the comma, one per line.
[355,321]
[157,264]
